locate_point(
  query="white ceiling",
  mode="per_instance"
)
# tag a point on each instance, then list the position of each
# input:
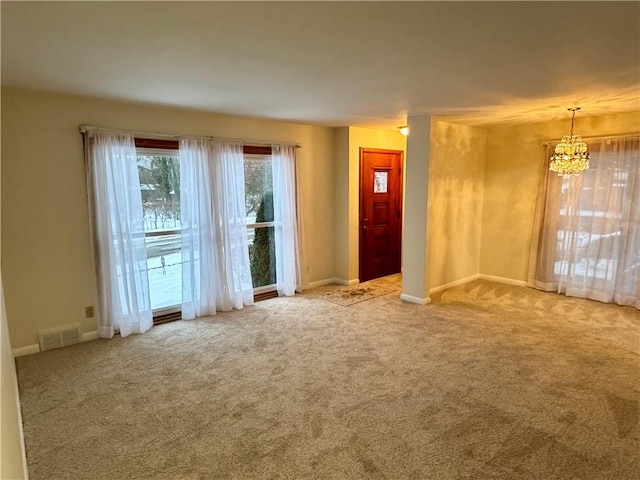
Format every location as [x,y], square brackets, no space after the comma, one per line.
[334,63]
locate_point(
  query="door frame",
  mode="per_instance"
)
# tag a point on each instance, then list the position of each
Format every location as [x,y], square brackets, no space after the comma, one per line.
[363,151]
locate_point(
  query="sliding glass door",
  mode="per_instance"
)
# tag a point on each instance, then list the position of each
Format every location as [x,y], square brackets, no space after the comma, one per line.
[258,178]
[159,173]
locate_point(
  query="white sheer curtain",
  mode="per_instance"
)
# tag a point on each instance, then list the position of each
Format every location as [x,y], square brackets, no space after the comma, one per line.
[588,241]
[200,271]
[117,222]
[229,208]
[215,273]
[285,211]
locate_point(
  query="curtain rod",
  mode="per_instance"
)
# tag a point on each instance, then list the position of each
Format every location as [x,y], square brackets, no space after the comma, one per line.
[598,137]
[88,128]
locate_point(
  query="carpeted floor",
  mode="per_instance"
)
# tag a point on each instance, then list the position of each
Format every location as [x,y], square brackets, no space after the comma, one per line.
[488,382]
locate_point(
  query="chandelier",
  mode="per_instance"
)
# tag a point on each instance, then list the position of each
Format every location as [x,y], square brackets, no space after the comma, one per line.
[571,156]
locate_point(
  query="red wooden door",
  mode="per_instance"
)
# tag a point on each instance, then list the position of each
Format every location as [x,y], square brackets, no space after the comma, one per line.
[380,212]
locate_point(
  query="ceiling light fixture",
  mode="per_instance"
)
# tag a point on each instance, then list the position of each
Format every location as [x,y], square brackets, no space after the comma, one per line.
[404,130]
[571,156]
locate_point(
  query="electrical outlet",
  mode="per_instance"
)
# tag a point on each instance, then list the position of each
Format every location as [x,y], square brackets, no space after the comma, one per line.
[88,312]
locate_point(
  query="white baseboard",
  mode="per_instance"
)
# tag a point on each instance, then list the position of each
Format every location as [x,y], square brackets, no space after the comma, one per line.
[26,350]
[88,336]
[329,281]
[35,348]
[412,299]
[508,281]
[320,283]
[454,284]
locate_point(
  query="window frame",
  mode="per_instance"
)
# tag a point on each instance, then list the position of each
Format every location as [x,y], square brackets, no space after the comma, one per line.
[258,153]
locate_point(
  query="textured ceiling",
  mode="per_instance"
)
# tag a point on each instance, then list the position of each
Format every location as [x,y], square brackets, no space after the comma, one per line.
[334,63]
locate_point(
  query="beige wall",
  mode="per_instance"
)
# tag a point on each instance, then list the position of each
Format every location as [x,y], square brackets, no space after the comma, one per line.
[347,213]
[514,157]
[341,202]
[12,459]
[13,464]
[46,251]
[456,185]
[415,248]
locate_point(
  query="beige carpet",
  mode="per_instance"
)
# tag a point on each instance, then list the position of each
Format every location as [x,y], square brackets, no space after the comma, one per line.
[488,382]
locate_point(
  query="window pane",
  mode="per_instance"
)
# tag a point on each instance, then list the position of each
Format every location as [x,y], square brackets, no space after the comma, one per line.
[164,261]
[160,186]
[262,256]
[590,231]
[380,182]
[258,184]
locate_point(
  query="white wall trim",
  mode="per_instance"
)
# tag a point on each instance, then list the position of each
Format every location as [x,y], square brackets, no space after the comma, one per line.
[454,283]
[331,281]
[320,283]
[412,299]
[88,336]
[35,348]
[26,350]
[508,281]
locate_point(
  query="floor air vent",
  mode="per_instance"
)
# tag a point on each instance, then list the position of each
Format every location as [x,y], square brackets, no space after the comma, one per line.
[51,339]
